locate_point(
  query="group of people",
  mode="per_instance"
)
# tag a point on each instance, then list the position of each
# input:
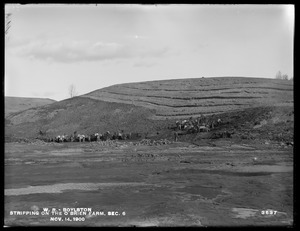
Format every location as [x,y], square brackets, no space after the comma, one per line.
[89,138]
[190,125]
[197,125]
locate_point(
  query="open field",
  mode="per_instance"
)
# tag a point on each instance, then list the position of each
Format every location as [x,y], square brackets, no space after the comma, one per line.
[178,184]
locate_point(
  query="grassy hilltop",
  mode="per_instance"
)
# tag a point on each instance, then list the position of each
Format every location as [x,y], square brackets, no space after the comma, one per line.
[191,97]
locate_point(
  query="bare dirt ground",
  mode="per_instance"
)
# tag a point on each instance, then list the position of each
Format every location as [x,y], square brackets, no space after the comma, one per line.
[177,184]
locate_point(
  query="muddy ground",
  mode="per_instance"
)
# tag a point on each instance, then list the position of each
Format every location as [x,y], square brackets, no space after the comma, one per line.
[178,184]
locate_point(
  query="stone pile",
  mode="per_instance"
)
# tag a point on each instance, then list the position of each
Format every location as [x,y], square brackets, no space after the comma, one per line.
[41,142]
[150,142]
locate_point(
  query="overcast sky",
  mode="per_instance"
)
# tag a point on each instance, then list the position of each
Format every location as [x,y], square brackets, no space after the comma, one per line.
[50,47]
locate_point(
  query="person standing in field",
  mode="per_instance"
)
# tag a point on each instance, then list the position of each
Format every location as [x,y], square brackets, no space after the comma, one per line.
[175,136]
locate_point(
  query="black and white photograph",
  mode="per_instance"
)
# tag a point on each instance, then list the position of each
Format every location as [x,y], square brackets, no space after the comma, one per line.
[149,115]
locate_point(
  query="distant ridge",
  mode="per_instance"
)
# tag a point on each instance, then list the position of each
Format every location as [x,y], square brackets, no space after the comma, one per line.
[15,104]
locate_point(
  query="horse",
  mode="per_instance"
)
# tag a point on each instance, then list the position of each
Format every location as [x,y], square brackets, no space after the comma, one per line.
[87,138]
[67,139]
[205,128]
[94,137]
[81,138]
[57,139]
[120,136]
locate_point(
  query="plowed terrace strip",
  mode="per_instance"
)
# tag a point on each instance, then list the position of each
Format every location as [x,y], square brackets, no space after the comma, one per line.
[59,188]
[186,98]
[209,88]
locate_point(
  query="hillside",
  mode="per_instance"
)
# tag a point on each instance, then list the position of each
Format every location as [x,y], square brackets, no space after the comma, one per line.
[185,97]
[15,104]
[86,116]
[151,108]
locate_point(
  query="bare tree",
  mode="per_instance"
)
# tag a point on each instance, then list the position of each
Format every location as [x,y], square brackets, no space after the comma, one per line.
[72,91]
[281,76]
[285,77]
[278,75]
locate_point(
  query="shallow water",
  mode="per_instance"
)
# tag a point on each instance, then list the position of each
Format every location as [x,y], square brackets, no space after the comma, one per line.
[58,188]
[245,213]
